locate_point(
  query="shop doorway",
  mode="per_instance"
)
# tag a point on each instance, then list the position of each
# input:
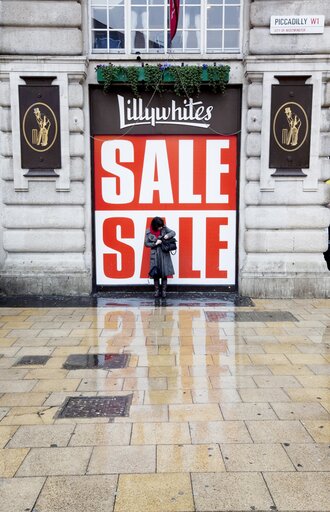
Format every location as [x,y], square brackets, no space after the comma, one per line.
[170,157]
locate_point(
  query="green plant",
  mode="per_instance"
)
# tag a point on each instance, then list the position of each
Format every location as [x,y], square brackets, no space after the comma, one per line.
[188,80]
[218,77]
[110,73]
[132,73]
[153,77]
[185,80]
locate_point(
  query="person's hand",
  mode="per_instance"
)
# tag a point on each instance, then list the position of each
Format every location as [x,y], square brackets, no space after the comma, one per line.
[165,237]
[158,242]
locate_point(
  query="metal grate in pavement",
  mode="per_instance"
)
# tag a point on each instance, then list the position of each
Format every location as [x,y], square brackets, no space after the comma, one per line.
[32,360]
[95,407]
[90,361]
[249,316]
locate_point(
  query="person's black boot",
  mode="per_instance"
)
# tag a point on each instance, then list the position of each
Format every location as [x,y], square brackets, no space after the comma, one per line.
[164,287]
[157,289]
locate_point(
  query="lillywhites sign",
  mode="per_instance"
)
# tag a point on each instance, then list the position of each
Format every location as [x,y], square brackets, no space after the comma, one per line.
[307,24]
[134,112]
[155,114]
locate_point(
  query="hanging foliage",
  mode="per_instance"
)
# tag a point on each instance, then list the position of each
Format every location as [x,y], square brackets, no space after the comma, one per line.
[184,80]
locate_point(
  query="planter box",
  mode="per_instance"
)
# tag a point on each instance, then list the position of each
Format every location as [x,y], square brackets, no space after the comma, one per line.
[168,76]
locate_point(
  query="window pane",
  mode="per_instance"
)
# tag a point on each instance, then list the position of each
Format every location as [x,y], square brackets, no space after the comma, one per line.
[116,2]
[232,39]
[139,17]
[192,40]
[214,39]
[214,17]
[99,2]
[99,40]
[215,2]
[232,17]
[99,18]
[156,39]
[193,2]
[180,22]
[116,17]
[177,41]
[116,40]
[192,17]
[139,2]
[156,17]
[232,2]
[139,40]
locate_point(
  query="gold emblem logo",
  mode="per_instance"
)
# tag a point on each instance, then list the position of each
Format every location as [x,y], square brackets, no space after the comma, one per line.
[290,126]
[40,127]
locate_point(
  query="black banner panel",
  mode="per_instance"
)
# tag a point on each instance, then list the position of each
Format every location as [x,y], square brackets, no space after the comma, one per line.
[40,126]
[290,127]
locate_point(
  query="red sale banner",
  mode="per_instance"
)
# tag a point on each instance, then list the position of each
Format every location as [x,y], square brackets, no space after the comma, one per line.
[190,181]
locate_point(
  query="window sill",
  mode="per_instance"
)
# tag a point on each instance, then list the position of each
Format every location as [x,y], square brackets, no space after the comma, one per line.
[168,57]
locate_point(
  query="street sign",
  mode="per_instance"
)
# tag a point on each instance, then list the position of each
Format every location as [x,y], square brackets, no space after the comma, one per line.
[307,24]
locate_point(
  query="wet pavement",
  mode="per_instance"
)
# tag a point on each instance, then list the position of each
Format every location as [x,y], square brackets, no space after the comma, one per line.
[219,404]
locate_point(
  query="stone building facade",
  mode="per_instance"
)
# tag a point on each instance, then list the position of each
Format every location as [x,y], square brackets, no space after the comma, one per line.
[46,229]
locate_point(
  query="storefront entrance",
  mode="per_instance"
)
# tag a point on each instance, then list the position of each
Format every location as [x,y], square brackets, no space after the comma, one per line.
[170,157]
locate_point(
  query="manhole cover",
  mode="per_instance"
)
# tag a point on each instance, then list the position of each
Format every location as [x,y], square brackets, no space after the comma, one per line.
[250,316]
[95,406]
[32,360]
[106,361]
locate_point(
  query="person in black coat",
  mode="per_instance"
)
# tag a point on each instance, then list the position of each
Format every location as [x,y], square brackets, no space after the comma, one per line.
[158,258]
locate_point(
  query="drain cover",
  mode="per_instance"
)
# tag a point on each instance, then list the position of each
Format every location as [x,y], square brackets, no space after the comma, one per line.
[106,361]
[250,316]
[32,360]
[95,406]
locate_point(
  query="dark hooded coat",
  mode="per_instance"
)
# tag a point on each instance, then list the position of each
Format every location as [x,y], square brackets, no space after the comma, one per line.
[159,258]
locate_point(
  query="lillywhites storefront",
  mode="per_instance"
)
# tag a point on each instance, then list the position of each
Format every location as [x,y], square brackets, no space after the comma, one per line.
[167,156]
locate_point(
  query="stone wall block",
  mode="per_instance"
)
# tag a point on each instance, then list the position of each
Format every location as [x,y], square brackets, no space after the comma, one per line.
[43,193]
[4,93]
[38,240]
[76,120]
[5,119]
[76,96]
[286,193]
[264,43]
[77,145]
[67,283]
[325,169]
[325,144]
[50,217]
[272,263]
[325,120]
[287,217]
[6,148]
[40,12]
[262,10]
[254,95]
[286,241]
[77,169]
[7,169]
[253,144]
[253,169]
[34,261]
[254,119]
[327,95]
[47,40]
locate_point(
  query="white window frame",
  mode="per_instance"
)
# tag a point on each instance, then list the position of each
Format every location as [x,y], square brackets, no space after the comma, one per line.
[127,51]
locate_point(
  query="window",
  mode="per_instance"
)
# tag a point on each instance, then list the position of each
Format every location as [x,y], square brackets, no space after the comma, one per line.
[132,26]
